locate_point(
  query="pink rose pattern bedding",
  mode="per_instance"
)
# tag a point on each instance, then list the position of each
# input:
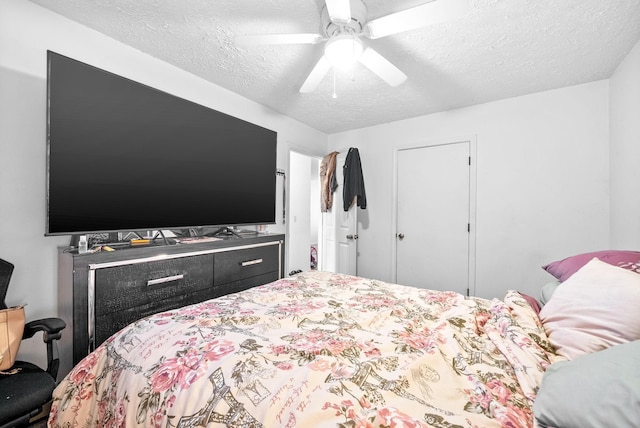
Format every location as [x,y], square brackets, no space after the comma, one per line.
[316,350]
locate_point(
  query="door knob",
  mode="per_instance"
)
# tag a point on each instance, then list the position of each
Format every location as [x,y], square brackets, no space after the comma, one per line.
[401,236]
[352,236]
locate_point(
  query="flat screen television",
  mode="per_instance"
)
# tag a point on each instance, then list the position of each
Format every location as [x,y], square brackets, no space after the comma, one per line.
[123,156]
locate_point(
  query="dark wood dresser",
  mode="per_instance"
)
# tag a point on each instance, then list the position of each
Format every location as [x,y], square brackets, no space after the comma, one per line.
[100,293]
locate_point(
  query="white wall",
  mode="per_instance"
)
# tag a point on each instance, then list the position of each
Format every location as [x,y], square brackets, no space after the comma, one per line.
[624,87]
[542,182]
[27,31]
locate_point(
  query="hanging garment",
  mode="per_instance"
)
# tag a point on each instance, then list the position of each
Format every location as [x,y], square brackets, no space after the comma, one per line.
[328,182]
[353,188]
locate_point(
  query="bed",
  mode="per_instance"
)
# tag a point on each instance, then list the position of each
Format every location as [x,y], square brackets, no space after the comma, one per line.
[318,350]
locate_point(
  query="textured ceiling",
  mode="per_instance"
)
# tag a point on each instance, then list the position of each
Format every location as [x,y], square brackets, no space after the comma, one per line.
[499,49]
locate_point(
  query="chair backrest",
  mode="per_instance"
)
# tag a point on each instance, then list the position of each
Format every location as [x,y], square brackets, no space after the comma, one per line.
[6,269]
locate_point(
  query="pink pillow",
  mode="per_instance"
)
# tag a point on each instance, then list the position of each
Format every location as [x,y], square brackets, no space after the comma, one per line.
[594,309]
[535,305]
[563,269]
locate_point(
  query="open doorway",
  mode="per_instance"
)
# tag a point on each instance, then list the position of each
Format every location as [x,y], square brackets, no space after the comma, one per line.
[305,222]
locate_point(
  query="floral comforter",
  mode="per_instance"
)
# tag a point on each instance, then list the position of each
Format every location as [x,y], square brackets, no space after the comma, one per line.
[316,350]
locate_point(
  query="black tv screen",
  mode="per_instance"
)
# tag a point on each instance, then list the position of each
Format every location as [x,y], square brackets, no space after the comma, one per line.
[123,156]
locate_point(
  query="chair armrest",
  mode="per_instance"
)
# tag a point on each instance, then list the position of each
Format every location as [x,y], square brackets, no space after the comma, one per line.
[50,326]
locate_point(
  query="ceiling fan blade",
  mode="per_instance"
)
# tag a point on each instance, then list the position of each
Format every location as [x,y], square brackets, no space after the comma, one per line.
[278,39]
[339,10]
[316,75]
[416,17]
[382,67]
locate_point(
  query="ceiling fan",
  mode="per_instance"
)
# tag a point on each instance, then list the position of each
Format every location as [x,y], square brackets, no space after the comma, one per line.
[344,24]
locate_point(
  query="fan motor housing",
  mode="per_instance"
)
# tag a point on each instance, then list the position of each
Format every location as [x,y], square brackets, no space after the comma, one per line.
[354,26]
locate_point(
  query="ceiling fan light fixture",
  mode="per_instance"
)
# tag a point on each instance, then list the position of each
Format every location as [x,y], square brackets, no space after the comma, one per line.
[343,51]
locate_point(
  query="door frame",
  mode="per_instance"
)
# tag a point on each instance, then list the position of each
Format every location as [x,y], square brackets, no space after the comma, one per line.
[288,208]
[472,141]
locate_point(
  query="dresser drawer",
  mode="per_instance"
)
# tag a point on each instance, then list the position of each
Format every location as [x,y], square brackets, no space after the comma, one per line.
[108,324]
[246,263]
[244,284]
[129,286]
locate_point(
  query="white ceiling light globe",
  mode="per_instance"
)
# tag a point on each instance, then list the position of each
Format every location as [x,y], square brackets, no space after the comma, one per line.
[343,51]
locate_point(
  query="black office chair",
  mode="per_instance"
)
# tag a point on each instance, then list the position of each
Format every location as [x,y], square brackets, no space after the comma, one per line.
[26,393]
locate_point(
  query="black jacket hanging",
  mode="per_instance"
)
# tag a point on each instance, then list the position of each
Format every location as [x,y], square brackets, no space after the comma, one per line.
[353,186]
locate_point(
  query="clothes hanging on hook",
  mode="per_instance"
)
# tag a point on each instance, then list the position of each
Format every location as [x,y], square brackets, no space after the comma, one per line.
[353,186]
[328,182]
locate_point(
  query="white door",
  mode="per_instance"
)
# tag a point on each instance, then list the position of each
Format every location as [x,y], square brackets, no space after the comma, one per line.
[340,231]
[433,220]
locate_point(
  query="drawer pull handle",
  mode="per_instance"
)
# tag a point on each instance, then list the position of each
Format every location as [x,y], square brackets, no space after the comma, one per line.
[251,262]
[165,279]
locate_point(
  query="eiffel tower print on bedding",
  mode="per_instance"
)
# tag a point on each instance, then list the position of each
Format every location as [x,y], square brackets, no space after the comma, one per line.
[317,350]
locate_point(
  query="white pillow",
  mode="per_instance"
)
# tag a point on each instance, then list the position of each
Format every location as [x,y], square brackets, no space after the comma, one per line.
[597,307]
